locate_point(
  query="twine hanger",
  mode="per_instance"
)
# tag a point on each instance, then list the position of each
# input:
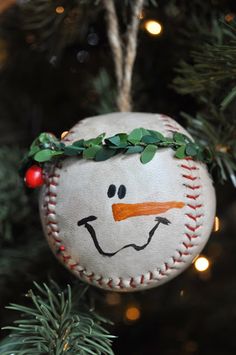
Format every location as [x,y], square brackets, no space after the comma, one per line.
[124,51]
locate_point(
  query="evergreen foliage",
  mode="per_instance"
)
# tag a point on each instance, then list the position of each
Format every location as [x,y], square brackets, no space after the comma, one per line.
[13,199]
[53,325]
[209,76]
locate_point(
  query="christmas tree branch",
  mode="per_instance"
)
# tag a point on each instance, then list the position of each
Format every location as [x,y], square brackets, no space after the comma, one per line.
[56,324]
[219,136]
[209,76]
[13,199]
[212,62]
[49,28]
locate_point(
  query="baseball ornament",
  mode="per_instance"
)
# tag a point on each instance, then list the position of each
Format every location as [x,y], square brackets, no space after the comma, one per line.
[128,212]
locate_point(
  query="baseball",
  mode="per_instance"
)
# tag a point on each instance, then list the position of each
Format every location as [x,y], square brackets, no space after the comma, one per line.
[122,225]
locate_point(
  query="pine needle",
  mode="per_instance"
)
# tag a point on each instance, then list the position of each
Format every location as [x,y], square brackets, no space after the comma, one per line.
[52,325]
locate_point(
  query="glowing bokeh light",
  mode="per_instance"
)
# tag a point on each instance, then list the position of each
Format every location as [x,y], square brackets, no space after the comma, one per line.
[216,227]
[64,134]
[229,17]
[153,27]
[60,10]
[141,15]
[113,299]
[132,313]
[201,264]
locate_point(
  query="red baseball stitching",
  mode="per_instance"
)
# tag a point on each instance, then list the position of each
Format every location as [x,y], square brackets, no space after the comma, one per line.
[189,173]
[189,167]
[190,177]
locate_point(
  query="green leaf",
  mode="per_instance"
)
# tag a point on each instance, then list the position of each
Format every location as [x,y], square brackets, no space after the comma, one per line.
[168,140]
[145,132]
[61,145]
[157,134]
[95,141]
[181,138]
[191,149]
[180,152]
[150,139]
[134,149]
[123,140]
[91,152]
[148,153]
[178,137]
[104,154]
[72,150]
[43,155]
[33,150]
[79,143]
[201,156]
[47,138]
[46,155]
[115,140]
[207,155]
[119,140]
[135,136]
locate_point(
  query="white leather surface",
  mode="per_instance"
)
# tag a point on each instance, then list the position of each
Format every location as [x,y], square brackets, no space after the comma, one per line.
[78,189]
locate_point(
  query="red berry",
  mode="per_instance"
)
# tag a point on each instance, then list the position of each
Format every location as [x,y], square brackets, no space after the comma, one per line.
[34,177]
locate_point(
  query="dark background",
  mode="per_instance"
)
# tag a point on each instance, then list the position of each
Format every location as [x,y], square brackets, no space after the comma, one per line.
[48,85]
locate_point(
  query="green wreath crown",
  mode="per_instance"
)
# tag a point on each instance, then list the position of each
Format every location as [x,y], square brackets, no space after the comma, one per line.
[146,142]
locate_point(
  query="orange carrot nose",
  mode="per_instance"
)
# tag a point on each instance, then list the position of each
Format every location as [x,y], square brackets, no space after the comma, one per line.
[122,211]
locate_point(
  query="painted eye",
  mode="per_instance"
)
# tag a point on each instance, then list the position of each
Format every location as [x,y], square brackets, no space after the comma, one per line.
[122,191]
[111,191]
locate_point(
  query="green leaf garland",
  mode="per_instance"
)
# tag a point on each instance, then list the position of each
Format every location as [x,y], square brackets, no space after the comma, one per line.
[143,141]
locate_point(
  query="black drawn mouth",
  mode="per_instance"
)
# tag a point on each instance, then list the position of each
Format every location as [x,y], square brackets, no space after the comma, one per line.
[85,222]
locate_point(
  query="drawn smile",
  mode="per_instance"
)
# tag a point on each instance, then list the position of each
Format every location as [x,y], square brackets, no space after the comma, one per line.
[85,222]
[122,211]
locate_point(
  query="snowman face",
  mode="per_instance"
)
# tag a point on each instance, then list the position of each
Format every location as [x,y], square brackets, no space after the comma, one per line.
[119,217]
[123,211]
[122,225]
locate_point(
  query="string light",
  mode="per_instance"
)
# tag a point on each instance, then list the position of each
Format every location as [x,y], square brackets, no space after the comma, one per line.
[201,264]
[153,27]
[132,313]
[66,347]
[141,15]
[64,134]
[216,227]
[4,5]
[60,10]
[229,17]
[222,148]
[216,224]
